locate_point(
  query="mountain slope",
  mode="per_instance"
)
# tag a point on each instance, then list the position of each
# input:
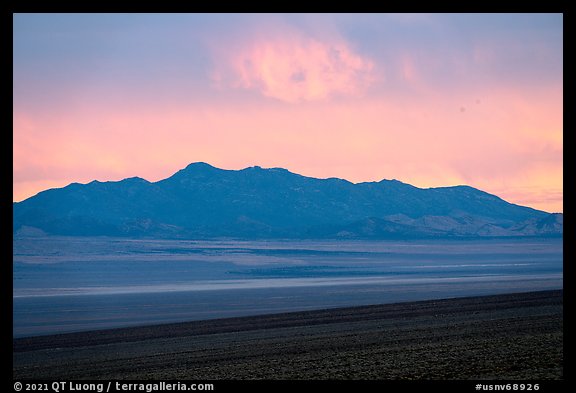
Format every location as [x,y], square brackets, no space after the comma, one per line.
[203,201]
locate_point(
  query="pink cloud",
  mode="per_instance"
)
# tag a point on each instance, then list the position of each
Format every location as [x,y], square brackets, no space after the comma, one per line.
[295,68]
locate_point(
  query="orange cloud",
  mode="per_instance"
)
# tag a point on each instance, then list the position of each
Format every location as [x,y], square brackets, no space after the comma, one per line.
[295,68]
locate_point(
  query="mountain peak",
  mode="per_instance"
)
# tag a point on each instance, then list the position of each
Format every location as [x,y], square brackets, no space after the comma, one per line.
[199,165]
[197,169]
[259,169]
[136,179]
[253,168]
[393,181]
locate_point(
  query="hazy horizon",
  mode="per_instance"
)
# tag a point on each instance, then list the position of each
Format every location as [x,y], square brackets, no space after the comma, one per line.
[240,169]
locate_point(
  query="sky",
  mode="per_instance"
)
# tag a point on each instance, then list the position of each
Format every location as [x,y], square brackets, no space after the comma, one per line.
[432,100]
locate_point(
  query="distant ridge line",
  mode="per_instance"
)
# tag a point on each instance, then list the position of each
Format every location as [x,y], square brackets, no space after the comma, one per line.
[202,201]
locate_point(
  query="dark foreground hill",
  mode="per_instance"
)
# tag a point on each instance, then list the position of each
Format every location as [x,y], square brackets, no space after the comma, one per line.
[202,201]
[500,337]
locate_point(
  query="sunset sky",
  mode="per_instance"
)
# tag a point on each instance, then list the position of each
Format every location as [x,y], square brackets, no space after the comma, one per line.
[430,100]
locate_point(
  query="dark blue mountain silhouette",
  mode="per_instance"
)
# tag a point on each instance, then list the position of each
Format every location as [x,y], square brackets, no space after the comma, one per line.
[202,201]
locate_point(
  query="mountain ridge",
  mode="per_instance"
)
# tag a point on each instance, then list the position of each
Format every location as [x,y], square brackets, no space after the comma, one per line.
[203,201]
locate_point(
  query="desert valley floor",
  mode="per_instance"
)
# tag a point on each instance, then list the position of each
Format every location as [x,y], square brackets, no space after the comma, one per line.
[503,337]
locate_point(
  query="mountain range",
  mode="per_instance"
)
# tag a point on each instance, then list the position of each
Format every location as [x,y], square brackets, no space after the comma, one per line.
[201,201]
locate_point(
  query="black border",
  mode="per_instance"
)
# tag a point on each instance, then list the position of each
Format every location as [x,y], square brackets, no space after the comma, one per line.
[384,386]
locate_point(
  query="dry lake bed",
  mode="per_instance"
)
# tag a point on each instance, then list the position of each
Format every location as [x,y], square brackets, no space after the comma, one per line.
[74,284]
